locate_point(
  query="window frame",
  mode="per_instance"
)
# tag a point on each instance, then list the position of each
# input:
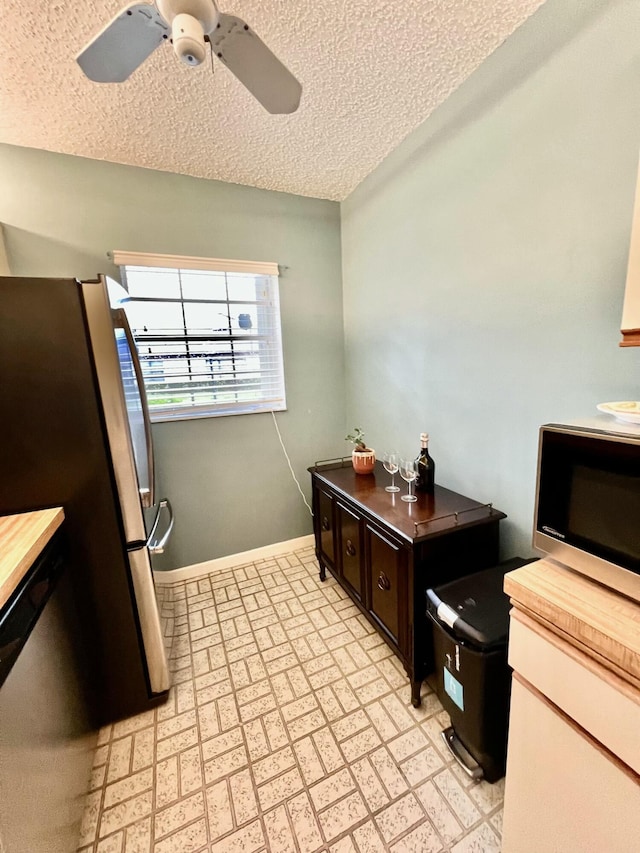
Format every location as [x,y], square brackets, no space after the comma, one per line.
[272,338]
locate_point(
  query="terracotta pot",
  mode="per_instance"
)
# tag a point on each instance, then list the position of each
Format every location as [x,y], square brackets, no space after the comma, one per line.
[364,461]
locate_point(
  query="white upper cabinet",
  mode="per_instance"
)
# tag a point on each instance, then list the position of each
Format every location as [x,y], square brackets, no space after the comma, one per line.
[4,263]
[631,307]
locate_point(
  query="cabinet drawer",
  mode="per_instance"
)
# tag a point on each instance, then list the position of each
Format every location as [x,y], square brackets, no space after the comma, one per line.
[348,524]
[599,701]
[387,568]
[326,527]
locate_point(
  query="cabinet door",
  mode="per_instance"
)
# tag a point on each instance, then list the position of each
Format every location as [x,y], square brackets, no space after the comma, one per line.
[631,307]
[350,548]
[326,527]
[387,574]
[564,791]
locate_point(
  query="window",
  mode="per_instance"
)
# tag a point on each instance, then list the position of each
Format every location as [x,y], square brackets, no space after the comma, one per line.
[208,334]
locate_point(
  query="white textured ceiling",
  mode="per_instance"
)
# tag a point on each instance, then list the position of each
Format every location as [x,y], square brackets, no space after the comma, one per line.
[371,72]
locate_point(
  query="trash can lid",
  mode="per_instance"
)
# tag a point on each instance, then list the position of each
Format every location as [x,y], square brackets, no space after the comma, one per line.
[475,607]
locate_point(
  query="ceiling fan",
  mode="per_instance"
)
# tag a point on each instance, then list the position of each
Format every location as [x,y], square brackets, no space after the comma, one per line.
[136,31]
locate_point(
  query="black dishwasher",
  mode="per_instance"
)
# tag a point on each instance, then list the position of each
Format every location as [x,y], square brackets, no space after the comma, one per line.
[27,601]
[46,737]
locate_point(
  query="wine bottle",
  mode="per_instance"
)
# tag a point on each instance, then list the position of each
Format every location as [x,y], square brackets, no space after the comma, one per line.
[426,467]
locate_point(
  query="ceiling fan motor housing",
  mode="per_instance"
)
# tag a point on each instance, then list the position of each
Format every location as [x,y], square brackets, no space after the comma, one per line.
[190,20]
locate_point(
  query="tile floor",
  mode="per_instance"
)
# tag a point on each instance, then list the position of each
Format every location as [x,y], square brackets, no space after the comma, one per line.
[288,728]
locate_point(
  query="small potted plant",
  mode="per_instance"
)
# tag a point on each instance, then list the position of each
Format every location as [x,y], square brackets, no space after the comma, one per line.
[363,458]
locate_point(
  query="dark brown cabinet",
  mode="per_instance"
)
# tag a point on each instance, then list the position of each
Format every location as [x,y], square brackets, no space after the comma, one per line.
[326,524]
[351,562]
[387,570]
[386,553]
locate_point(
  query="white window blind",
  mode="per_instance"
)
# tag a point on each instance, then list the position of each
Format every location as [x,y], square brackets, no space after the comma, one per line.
[208,334]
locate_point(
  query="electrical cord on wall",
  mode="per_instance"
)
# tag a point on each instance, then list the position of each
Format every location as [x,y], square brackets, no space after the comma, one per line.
[286,456]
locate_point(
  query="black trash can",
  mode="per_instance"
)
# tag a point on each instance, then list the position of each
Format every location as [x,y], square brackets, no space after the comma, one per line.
[470,618]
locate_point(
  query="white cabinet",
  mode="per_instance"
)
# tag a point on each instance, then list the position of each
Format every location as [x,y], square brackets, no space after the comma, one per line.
[4,263]
[573,759]
[631,307]
[564,792]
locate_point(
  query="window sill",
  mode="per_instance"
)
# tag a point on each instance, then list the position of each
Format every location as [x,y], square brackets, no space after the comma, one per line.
[196,414]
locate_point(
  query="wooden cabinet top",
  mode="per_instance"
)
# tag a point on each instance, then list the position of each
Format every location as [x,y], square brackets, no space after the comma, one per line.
[598,621]
[430,516]
[22,538]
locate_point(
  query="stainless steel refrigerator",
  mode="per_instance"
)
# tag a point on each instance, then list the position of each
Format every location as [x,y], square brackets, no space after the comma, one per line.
[75,432]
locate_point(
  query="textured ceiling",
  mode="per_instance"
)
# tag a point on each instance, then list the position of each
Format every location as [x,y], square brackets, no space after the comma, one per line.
[371,72]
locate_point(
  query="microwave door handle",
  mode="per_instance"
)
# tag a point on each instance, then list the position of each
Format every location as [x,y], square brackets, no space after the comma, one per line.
[147,499]
[158,546]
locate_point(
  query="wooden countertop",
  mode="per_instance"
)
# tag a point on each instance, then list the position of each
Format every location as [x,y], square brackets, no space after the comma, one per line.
[596,620]
[22,538]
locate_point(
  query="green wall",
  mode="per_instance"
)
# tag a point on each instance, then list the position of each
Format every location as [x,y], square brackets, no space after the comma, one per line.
[484,261]
[227,477]
[483,266]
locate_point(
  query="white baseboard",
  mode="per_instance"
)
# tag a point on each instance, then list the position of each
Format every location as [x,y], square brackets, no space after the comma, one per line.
[188,573]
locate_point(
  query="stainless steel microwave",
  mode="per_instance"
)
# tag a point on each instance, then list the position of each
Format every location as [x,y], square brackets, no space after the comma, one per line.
[587,508]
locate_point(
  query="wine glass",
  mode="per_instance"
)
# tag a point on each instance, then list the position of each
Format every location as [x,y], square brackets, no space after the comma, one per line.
[408,472]
[390,462]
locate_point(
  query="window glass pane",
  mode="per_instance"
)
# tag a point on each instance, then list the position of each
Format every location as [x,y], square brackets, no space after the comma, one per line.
[236,319]
[247,319]
[203,319]
[155,317]
[160,364]
[168,349]
[201,284]
[150,282]
[213,355]
[242,286]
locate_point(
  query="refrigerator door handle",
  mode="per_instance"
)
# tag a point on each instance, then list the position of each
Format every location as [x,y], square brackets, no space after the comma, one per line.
[146,496]
[157,546]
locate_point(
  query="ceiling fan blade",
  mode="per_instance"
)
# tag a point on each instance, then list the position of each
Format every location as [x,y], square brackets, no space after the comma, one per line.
[123,44]
[255,66]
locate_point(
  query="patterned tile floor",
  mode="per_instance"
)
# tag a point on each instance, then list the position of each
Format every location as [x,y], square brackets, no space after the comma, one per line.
[288,728]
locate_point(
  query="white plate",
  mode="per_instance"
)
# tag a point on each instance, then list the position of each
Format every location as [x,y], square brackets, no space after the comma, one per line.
[627,411]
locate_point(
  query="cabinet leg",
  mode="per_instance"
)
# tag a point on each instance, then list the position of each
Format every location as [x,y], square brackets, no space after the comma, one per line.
[323,572]
[415,693]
